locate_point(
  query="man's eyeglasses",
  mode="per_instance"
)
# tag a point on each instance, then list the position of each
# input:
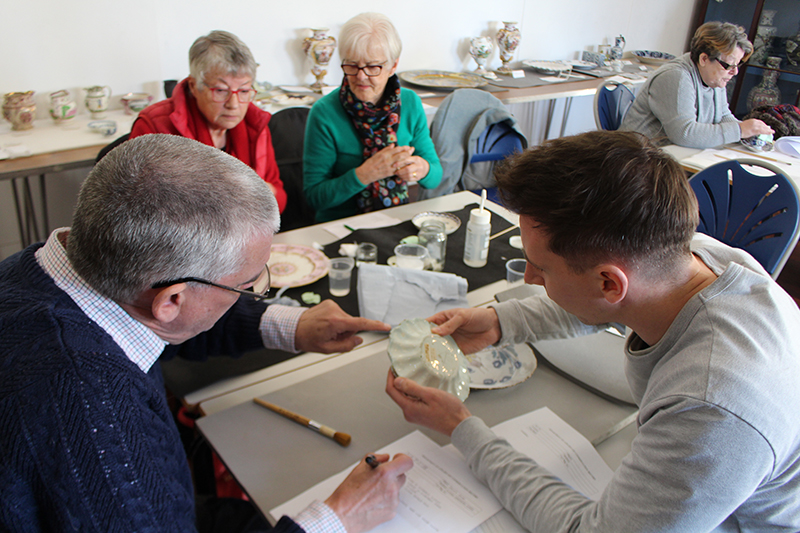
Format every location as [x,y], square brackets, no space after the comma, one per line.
[222,95]
[259,288]
[370,70]
[728,66]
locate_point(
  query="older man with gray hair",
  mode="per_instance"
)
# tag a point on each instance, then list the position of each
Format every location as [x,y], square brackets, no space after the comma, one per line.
[168,249]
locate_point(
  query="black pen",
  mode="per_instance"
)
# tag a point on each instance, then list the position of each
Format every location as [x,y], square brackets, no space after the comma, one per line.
[372,461]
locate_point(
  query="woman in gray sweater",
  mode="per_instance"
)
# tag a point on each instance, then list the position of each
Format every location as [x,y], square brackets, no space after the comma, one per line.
[685,103]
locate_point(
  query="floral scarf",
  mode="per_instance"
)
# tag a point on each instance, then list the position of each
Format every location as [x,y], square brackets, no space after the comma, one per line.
[376,126]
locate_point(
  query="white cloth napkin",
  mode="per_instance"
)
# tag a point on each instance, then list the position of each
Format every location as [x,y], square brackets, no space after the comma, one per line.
[393,294]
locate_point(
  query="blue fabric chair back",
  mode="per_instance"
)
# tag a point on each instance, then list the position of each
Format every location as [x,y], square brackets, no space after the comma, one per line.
[759,214]
[611,104]
[497,142]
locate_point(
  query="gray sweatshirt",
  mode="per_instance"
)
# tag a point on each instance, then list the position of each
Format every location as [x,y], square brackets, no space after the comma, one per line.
[718,447]
[675,106]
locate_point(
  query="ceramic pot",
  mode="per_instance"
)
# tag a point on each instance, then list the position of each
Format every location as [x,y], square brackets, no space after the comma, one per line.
[319,49]
[97,98]
[480,48]
[766,92]
[20,110]
[764,35]
[507,40]
[615,52]
[132,103]
[62,107]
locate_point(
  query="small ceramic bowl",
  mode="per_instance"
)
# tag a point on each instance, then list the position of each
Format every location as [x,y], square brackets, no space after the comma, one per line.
[759,143]
[428,359]
[132,103]
[106,127]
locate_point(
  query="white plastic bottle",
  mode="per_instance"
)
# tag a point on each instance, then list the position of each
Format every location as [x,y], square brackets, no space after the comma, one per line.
[476,243]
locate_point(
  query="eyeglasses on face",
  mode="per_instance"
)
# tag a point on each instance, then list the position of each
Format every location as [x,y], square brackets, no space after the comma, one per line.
[259,288]
[351,69]
[728,66]
[220,95]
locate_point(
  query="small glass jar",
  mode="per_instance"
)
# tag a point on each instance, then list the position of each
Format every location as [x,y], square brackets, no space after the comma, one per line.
[432,236]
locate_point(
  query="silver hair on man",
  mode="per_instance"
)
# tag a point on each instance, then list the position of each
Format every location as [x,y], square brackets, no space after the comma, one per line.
[220,52]
[162,207]
[368,35]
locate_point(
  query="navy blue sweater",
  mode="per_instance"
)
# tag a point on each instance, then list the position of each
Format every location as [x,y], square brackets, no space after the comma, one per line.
[87,441]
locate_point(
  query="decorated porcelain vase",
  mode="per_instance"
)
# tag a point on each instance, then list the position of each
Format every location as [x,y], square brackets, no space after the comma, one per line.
[480,48]
[766,92]
[97,99]
[19,109]
[507,40]
[62,107]
[319,49]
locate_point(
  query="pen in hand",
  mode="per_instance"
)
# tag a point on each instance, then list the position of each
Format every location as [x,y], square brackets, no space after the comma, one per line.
[338,436]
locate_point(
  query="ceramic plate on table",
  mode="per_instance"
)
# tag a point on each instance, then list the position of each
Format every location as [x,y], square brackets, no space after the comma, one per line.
[293,99]
[450,221]
[547,67]
[652,57]
[498,368]
[579,64]
[428,359]
[294,265]
[442,79]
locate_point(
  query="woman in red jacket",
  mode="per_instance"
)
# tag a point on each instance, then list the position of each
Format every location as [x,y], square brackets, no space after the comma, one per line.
[214,106]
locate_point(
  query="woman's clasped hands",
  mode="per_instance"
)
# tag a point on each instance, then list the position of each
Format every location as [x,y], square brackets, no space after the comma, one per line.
[393,160]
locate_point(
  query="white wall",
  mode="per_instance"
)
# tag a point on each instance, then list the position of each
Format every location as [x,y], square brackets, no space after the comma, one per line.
[132,46]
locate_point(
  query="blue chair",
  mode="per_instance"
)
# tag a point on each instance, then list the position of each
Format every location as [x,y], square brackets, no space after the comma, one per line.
[759,214]
[611,102]
[497,142]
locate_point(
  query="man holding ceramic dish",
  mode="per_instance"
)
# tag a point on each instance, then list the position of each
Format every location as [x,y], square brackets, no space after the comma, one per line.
[608,228]
[167,254]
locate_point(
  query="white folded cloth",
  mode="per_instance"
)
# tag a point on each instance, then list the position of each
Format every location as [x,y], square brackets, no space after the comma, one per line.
[393,294]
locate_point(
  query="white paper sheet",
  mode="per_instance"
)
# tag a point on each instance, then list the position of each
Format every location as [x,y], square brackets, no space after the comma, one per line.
[787,164]
[375,219]
[440,495]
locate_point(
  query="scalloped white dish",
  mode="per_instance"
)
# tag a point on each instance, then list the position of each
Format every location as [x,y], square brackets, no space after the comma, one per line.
[653,57]
[450,221]
[498,368]
[428,359]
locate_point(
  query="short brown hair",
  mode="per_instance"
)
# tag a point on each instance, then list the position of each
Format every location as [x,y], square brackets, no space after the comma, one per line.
[604,195]
[717,38]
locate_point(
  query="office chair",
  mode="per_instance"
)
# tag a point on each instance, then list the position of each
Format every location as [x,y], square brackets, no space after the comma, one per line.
[611,102]
[110,146]
[759,214]
[498,141]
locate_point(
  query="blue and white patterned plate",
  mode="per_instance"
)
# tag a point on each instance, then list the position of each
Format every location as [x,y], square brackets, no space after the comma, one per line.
[497,368]
[653,57]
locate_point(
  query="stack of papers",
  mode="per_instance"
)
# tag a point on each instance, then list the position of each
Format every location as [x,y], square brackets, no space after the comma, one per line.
[442,496]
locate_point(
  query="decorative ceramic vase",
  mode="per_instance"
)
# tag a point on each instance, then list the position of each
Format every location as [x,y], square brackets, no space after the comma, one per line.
[480,48]
[793,48]
[62,107]
[97,98]
[766,92]
[507,40]
[763,41]
[20,110]
[319,50]
[615,52]
[132,103]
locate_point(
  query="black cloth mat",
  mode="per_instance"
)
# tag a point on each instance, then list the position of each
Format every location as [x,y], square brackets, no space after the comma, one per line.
[183,377]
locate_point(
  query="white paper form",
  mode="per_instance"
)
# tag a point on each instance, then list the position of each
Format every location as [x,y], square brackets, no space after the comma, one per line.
[440,494]
[376,219]
[558,447]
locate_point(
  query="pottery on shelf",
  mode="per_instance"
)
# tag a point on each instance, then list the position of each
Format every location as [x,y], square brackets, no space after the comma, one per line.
[19,109]
[507,40]
[97,99]
[762,43]
[793,48]
[480,48]
[766,92]
[319,49]
[615,51]
[62,107]
[132,103]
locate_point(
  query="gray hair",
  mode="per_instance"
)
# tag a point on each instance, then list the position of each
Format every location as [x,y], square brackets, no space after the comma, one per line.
[368,34]
[162,207]
[220,51]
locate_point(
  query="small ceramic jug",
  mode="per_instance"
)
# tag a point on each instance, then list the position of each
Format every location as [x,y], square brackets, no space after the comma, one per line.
[20,110]
[62,108]
[617,49]
[97,98]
